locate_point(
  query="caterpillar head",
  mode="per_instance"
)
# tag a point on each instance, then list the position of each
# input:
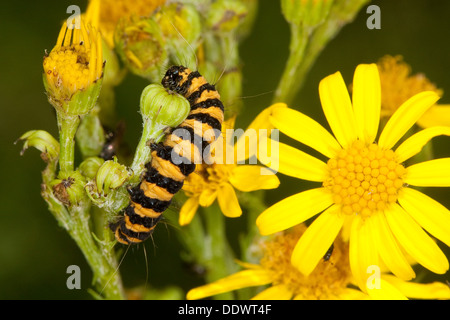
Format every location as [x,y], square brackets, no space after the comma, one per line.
[173,77]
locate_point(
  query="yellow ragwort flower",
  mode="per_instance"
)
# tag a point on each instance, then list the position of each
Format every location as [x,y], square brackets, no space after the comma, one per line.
[74,65]
[219,179]
[107,13]
[365,185]
[398,85]
[332,279]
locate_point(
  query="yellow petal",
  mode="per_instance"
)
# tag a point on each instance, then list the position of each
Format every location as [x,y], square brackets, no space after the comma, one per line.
[363,254]
[297,164]
[293,210]
[388,248]
[437,115]
[316,240]
[188,211]
[338,109]
[430,214]
[367,101]
[385,291]
[352,294]
[306,130]
[247,265]
[228,201]
[252,177]
[416,142]
[434,290]
[415,240]
[239,280]
[432,173]
[405,117]
[278,292]
[207,197]
[346,228]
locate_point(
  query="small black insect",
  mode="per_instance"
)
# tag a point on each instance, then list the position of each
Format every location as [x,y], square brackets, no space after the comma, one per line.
[329,252]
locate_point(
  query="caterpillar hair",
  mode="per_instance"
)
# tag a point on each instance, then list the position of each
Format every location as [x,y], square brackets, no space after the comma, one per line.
[175,157]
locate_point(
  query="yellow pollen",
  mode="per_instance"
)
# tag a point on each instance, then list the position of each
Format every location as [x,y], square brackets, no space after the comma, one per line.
[368,186]
[75,62]
[325,282]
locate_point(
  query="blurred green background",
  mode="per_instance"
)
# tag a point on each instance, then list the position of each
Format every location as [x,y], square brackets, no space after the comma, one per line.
[35,252]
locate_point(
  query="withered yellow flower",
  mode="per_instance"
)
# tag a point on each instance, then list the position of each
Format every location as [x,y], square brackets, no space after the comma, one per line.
[398,84]
[107,13]
[73,66]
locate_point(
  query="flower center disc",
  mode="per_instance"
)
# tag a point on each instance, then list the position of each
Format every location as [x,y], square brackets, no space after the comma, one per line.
[69,67]
[364,179]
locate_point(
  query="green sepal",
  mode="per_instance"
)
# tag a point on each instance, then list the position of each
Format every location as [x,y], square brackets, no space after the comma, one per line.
[163,108]
[43,141]
[79,103]
[111,175]
[90,166]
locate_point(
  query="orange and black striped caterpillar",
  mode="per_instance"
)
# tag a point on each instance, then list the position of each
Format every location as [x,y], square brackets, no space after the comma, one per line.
[175,157]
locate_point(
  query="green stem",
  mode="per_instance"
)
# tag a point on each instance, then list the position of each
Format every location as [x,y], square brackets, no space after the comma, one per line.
[106,278]
[75,221]
[253,205]
[340,15]
[207,246]
[230,84]
[220,260]
[288,87]
[151,132]
[68,126]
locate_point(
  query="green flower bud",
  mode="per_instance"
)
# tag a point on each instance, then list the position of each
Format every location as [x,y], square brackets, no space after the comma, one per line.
[43,141]
[308,13]
[181,28]
[90,166]
[162,108]
[141,47]
[230,88]
[69,188]
[111,175]
[113,73]
[247,24]
[90,134]
[226,15]
[179,22]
